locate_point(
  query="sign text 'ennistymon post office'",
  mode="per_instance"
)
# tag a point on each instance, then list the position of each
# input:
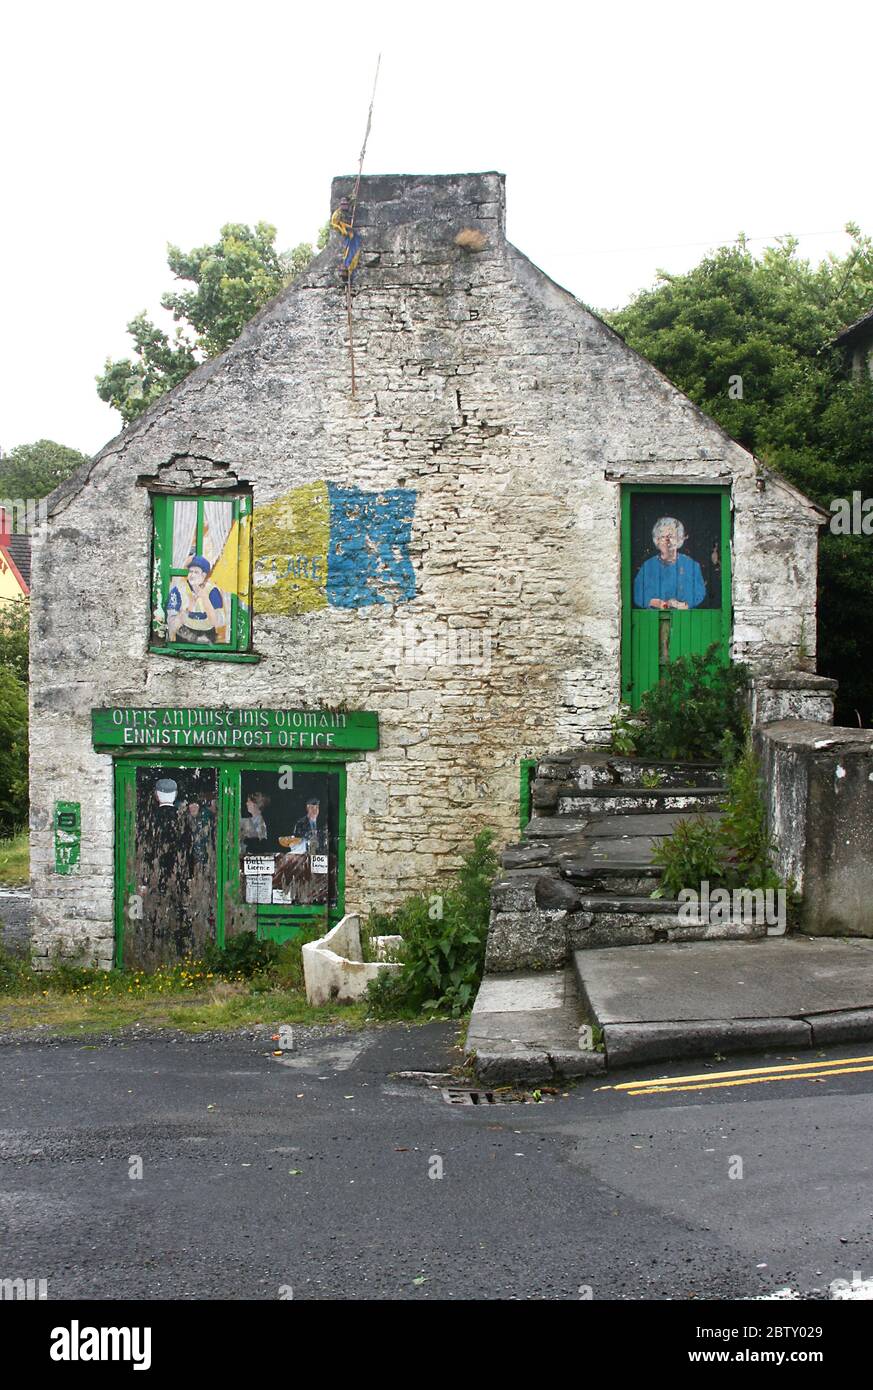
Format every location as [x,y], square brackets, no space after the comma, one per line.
[189,728]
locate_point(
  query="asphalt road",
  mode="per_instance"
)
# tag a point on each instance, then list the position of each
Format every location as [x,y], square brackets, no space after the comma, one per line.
[312,1172]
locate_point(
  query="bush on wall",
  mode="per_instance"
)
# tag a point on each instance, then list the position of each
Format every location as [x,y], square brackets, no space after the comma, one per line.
[697,704]
[444,934]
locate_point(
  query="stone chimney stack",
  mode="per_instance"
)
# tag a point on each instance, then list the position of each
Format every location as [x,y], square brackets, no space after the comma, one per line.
[405,212]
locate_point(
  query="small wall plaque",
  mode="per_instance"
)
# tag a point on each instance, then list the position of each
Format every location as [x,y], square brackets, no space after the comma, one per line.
[68,836]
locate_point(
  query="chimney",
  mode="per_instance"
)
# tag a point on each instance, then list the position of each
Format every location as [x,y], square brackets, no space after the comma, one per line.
[397,212]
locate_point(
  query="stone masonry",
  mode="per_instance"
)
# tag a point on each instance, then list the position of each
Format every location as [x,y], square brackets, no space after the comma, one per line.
[514,414]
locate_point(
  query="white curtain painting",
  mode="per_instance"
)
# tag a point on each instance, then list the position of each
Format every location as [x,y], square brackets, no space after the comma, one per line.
[217,521]
[184,531]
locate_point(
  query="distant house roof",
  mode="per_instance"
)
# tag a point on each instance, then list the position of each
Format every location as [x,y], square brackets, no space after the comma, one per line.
[18,547]
[862,328]
[15,548]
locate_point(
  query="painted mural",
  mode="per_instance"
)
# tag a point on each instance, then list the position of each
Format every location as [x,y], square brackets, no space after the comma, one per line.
[288,837]
[174,865]
[675,551]
[323,545]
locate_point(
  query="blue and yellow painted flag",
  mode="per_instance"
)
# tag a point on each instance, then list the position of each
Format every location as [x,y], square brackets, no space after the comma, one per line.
[322,544]
[342,222]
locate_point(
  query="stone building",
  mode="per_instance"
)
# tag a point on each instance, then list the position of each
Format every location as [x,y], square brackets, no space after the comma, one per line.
[856,342]
[293,646]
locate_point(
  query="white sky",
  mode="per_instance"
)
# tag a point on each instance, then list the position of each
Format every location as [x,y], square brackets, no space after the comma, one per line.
[633,136]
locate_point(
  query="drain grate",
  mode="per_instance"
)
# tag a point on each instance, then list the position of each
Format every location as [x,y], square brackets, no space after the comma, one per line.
[456,1096]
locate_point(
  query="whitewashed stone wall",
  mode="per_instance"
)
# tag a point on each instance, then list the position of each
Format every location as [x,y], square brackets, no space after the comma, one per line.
[514,414]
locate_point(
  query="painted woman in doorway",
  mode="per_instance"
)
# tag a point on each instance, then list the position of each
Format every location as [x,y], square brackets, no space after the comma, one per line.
[668,579]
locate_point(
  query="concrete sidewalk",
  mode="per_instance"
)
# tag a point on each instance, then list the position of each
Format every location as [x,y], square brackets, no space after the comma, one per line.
[681,1000]
[674,1000]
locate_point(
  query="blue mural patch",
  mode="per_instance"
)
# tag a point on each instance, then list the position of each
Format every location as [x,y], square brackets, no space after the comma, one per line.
[368,555]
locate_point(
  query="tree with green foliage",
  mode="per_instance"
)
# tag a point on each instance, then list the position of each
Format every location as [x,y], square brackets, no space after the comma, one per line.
[749,338]
[13,742]
[232,280]
[14,633]
[35,470]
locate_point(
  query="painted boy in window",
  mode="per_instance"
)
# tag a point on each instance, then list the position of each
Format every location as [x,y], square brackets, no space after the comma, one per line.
[195,613]
[668,579]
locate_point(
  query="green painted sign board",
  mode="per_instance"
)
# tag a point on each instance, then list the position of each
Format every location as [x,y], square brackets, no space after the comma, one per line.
[68,835]
[244,730]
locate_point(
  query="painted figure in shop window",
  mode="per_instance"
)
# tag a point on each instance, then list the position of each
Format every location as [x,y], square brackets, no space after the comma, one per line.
[308,829]
[195,613]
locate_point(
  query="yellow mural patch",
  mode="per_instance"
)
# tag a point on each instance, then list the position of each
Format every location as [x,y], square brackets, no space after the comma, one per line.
[291,537]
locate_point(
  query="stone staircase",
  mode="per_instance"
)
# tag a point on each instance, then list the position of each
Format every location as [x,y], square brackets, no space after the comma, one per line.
[583,876]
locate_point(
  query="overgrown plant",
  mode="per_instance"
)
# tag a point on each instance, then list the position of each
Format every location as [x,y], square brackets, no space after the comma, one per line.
[244,955]
[651,780]
[444,935]
[625,731]
[693,854]
[695,703]
[735,853]
[746,840]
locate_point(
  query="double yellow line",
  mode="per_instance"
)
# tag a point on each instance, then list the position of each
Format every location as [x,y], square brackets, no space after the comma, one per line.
[749,1076]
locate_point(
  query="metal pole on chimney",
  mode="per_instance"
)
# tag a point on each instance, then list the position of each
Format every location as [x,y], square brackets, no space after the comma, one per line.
[352,224]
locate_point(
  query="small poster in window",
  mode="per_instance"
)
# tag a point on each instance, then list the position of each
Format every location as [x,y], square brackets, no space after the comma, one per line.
[319,863]
[257,864]
[259,888]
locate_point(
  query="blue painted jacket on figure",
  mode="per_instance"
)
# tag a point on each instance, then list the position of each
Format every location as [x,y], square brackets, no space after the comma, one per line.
[683,580]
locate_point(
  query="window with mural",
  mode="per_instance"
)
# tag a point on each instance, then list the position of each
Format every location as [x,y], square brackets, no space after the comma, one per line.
[288,837]
[201,573]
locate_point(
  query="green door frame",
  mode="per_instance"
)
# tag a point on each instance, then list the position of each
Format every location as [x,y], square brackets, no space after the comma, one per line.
[681,629]
[278,921]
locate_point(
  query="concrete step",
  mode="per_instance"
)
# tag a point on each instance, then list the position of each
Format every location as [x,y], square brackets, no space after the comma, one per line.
[612,882]
[611,864]
[545,828]
[665,1003]
[525,1026]
[612,801]
[583,770]
[544,888]
[653,825]
[602,903]
[609,919]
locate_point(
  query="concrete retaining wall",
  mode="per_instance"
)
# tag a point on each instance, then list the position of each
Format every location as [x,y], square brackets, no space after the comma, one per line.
[819,787]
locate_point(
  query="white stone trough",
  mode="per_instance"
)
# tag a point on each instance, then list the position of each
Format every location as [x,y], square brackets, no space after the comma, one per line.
[334,968]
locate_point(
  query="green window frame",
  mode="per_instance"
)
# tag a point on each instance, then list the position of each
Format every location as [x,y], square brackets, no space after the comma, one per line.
[236,569]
